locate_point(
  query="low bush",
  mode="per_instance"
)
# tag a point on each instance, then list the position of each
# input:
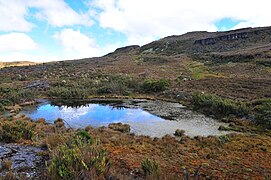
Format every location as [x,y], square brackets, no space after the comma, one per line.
[150,168]
[79,158]
[262,112]
[64,92]
[150,85]
[10,95]
[14,131]
[2,108]
[218,106]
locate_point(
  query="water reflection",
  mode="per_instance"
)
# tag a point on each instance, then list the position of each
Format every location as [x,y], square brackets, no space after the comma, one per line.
[141,122]
[91,114]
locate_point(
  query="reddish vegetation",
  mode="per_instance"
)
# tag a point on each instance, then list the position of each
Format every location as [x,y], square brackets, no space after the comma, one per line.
[234,156]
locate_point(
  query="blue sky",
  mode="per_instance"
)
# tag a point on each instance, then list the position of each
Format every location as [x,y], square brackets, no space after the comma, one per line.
[48,30]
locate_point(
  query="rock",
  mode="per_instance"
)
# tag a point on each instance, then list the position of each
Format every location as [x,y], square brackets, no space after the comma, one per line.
[4,152]
[124,128]
[179,132]
[27,103]
[21,159]
[38,84]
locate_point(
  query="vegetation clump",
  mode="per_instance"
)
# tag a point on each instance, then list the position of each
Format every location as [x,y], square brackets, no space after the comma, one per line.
[16,130]
[81,157]
[179,132]
[150,168]
[124,128]
[262,112]
[218,106]
[151,85]
[59,123]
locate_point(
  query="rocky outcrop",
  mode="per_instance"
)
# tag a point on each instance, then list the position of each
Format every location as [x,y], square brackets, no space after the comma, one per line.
[24,160]
[205,42]
[233,40]
[229,37]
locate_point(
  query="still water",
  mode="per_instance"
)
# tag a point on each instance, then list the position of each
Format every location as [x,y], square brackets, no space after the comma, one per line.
[141,122]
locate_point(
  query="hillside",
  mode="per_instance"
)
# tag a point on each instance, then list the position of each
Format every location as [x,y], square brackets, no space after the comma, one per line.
[233,64]
[20,63]
[223,75]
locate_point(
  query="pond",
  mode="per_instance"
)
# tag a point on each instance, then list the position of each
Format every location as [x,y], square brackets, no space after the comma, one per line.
[144,117]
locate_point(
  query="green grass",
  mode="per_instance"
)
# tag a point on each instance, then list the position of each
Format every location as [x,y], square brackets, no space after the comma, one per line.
[197,70]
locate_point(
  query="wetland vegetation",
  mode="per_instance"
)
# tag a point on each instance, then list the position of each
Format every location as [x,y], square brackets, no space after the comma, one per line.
[232,88]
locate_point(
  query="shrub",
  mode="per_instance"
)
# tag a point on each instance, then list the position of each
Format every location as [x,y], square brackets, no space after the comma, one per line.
[66,93]
[179,132]
[104,90]
[2,108]
[5,102]
[262,112]
[124,128]
[13,131]
[59,123]
[79,159]
[11,95]
[150,168]
[218,106]
[149,85]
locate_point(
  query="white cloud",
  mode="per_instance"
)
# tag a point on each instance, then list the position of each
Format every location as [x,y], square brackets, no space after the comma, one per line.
[12,16]
[143,20]
[58,13]
[15,42]
[78,45]
[20,47]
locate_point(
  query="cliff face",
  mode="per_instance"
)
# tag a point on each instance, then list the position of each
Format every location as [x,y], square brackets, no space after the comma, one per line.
[233,40]
[210,42]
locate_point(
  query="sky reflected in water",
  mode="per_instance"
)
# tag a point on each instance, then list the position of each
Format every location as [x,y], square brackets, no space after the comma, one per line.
[141,122]
[92,114]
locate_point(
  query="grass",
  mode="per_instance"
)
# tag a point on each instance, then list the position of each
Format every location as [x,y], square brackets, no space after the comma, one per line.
[200,71]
